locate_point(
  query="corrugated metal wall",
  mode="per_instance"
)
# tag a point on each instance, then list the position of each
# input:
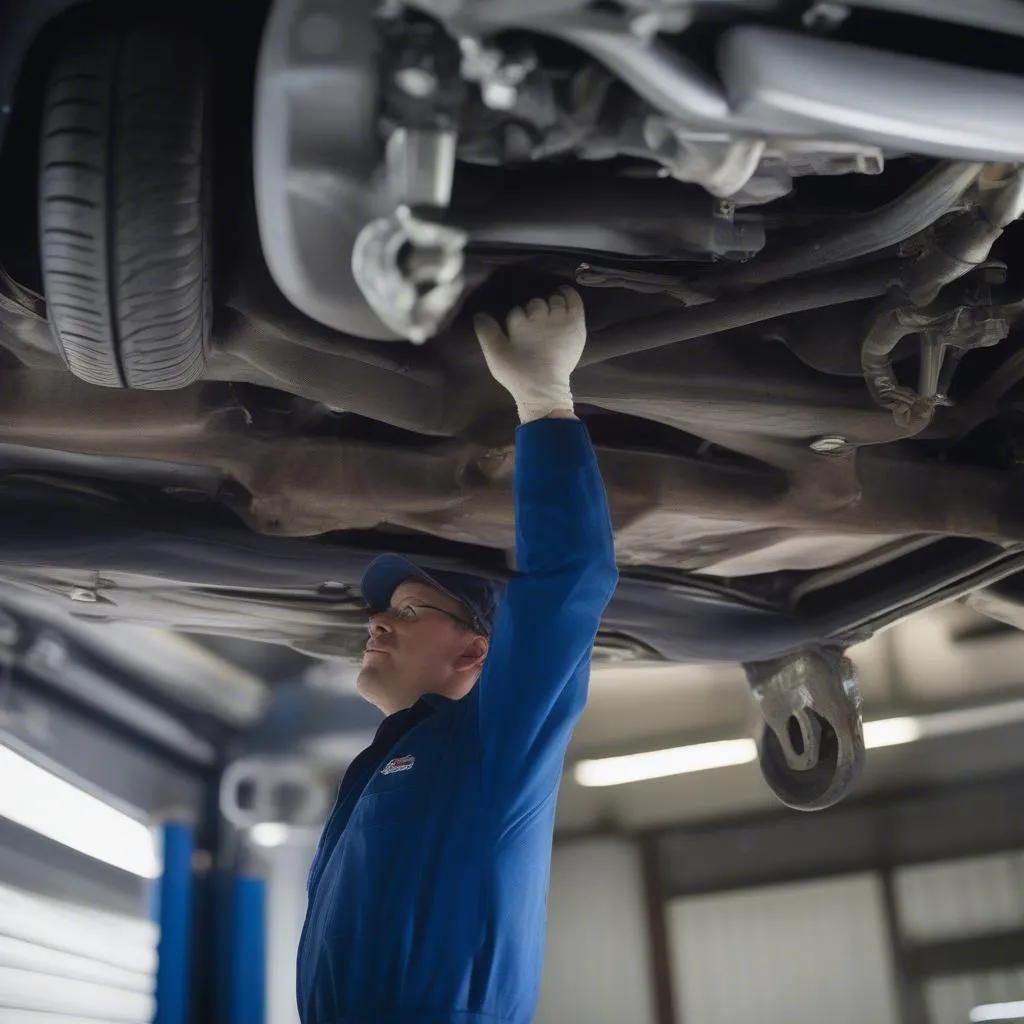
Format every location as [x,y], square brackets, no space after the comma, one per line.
[812,951]
[956,899]
[961,899]
[597,964]
[799,952]
[951,1000]
[806,951]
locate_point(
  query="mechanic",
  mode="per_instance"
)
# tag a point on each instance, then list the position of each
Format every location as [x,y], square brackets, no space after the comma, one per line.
[427,894]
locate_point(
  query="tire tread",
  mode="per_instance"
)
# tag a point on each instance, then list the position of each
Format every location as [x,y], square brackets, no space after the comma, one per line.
[124,224]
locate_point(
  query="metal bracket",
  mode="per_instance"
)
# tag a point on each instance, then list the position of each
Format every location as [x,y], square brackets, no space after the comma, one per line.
[407,265]
[410,271]
[812,746]
[261,790]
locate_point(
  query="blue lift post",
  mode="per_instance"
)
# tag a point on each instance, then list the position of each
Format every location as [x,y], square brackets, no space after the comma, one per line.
[174,915]
[246,962]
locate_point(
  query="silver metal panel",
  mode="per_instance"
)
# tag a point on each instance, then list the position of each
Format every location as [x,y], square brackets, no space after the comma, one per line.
[960,898]
[597,962]
[814,951]
[317,156]
[811,86]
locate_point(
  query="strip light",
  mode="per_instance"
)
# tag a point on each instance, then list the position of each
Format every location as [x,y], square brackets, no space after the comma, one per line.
[997,1011]
[891,732]
[699,757]
[38,800]
[657,764]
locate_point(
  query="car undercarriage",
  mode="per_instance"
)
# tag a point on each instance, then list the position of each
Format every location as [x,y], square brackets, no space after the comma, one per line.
[240,265]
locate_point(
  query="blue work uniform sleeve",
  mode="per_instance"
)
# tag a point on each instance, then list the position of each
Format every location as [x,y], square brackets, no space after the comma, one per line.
[534,685]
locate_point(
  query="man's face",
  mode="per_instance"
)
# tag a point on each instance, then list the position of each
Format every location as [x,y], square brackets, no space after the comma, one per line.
[420,650]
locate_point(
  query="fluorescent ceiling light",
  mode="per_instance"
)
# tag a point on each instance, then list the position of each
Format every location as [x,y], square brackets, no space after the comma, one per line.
[657,764]
[269,834]
[45,803]
[699,757]
[885,732]
[890,732]
[997,1011]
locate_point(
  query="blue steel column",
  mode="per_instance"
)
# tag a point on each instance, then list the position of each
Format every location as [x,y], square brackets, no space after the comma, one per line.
[174,915]
[246,962]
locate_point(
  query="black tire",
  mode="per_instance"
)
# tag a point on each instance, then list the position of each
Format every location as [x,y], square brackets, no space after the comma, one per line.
[123,217]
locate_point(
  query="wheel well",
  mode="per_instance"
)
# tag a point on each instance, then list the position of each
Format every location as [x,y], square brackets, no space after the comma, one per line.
[233,31]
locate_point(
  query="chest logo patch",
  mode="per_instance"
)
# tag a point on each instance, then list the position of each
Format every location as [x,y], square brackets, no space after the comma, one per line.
[398,764]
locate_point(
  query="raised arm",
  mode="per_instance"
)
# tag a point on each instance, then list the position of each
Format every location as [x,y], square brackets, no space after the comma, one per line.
[534,685]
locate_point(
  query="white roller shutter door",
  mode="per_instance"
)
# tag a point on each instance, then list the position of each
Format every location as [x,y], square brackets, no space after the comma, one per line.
[811,951]
[61,963]
[597,964]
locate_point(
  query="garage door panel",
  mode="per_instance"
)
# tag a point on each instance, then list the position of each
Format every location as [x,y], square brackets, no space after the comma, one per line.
[803,952]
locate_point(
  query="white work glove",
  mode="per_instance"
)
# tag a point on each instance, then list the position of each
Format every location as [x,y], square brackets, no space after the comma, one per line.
[533,358]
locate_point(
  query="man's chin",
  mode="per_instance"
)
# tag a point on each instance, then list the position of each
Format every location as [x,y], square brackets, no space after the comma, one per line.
[369,676]
[372,684]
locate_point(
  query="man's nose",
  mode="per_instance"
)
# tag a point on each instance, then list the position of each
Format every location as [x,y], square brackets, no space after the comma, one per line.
[379,623]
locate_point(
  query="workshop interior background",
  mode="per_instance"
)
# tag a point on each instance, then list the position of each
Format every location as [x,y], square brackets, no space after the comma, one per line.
[795,225]
[691,898]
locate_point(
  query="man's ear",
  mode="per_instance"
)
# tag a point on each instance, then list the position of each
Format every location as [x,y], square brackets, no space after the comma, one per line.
[474,653]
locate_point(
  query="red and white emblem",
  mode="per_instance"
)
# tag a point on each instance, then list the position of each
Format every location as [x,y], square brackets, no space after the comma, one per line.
[398,764]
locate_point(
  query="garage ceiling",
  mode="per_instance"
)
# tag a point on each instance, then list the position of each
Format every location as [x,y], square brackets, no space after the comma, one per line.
[945,658]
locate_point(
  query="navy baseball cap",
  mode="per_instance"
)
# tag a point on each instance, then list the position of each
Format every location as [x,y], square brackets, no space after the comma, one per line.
[386,572]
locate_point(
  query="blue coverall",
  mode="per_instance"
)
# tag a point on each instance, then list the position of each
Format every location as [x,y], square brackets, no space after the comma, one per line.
[428,892]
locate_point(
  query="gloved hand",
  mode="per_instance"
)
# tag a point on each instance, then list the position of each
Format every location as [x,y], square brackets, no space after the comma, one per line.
[533,358]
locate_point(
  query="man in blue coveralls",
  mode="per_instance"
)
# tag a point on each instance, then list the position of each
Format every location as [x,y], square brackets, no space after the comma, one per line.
[427,895]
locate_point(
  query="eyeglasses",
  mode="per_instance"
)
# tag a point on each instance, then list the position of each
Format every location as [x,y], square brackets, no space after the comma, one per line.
[411,613]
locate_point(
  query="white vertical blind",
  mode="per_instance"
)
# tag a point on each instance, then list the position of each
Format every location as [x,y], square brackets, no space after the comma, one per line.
[597,965]
[812,951]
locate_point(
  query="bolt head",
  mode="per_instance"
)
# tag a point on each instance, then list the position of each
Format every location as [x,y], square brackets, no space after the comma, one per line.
[499,95]
[416,82]
[831,444]
[724,209]
[825,15]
